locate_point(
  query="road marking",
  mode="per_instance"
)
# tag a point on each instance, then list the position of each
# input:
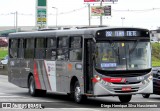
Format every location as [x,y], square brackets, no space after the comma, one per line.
[10,96]
[4,95]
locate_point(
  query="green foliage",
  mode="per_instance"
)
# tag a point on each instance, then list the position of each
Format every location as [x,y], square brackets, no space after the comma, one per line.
[155,54]
[3,52]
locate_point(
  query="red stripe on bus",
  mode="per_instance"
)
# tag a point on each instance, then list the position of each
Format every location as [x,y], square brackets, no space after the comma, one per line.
[37,81]
[116,80]
[94,80]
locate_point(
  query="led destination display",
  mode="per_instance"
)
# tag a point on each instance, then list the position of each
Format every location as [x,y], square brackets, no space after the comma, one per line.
[122,33]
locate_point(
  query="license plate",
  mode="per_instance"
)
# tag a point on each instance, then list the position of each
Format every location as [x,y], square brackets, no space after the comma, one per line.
[126,88]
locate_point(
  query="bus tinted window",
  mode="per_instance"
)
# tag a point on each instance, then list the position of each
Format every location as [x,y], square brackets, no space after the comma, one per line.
[29,48]
[51,49]
[40,43]
[14,43]
[51,54]
[51,43]
[40,48]
[63,42]
[75,42]
[75,53]
[29,43]
[21,43]
[13,48]
[20,48]
[62,54]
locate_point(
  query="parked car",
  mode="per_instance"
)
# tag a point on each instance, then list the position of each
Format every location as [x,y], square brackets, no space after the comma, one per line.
[156,82]
[4,61]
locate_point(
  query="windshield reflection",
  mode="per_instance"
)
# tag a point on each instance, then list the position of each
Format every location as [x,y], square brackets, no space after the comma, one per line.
[123,55]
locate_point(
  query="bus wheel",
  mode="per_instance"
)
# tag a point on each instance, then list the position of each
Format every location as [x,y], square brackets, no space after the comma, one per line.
[125,98]
[78,97]
[145,95]
[32,89]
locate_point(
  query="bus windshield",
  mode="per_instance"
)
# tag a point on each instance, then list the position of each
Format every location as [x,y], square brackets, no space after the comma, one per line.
[133,55]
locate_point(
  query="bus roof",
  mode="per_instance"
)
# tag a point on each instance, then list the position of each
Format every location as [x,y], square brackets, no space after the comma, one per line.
[85,31]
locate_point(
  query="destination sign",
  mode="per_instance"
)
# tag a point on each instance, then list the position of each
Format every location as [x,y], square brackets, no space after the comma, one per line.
[122,33]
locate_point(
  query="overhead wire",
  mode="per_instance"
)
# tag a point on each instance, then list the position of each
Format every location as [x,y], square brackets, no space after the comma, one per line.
[75,10]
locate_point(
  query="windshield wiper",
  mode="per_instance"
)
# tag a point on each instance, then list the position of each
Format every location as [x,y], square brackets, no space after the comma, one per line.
[134,47]
[113,47]
[115,51]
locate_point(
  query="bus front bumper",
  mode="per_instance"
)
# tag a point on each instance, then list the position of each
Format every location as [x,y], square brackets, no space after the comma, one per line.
[117,89]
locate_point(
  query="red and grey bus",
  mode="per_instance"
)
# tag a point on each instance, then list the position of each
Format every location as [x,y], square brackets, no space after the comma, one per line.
[104,61]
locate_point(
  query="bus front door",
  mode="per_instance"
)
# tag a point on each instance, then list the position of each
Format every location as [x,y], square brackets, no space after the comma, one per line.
[88,65]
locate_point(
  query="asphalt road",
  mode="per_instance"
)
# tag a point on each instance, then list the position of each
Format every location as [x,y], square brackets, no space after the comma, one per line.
[10,93]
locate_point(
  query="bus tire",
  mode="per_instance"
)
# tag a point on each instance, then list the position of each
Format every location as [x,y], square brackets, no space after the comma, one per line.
[32,88]
[145,95]
[125,98]
[78,97]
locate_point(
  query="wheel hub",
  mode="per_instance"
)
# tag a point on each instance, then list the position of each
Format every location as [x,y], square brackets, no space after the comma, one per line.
[77,93]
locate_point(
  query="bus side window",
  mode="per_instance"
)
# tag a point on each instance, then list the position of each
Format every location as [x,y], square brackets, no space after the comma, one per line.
[13,48]
[75,53]
[40,48]
[62,52]
[20,48]
[51,49]
[29,48]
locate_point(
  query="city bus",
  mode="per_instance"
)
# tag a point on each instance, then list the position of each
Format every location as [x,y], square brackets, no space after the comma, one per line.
[89,62]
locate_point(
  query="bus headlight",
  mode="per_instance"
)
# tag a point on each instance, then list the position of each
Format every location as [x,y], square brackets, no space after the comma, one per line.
[147,80]
[150,77]
[105,83]
[97,77]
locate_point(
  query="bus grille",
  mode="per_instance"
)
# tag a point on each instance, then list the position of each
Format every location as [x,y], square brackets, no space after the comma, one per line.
[119,90]
[128,83]
[125,91]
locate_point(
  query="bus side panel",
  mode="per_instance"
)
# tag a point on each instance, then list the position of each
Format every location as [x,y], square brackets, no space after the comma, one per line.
[75,69]
[60,70]
[64,78]
[64,73]
[14,72]
[26,67]
[18,71]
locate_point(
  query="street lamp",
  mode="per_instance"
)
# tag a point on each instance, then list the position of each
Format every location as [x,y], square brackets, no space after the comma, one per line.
[122,20]
[15,17]
[56,14]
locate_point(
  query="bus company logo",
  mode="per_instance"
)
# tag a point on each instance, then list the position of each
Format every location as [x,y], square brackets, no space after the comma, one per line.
[6,106]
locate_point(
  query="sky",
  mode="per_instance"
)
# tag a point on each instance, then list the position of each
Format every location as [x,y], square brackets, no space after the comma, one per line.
[75,12]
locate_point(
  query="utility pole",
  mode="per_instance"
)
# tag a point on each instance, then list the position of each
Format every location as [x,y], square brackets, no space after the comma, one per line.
[16,21]
[122,20]
[89,14]
[56,14]
[101,14]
